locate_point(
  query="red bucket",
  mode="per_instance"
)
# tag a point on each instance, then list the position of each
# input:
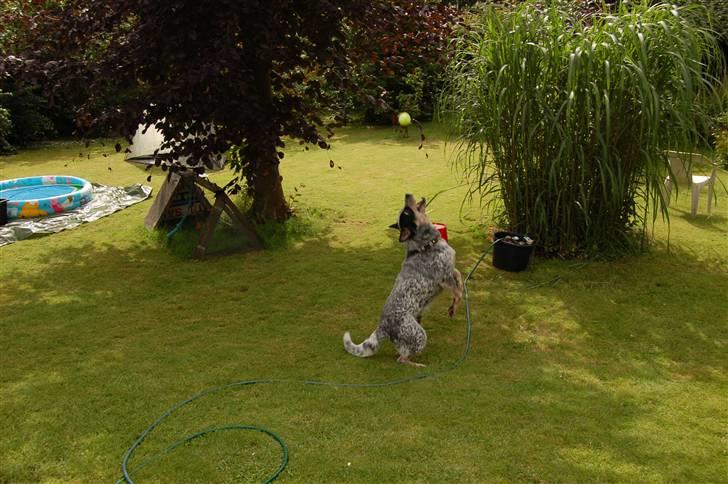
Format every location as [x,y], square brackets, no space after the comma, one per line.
[442,228]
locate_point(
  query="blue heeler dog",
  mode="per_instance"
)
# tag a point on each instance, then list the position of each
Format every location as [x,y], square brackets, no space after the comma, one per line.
[428,268]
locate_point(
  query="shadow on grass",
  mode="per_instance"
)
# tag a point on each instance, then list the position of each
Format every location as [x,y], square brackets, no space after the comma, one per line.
[559,380]
[626,335]
[613,342]
[704,221]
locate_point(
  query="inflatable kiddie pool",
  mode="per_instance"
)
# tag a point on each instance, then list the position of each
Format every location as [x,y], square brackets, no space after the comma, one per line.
[39,196]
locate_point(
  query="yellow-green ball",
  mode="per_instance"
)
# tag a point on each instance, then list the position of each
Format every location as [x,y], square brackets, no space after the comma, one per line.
[404,120]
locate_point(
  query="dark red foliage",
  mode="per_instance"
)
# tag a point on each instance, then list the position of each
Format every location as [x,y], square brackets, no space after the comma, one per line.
[402,33]
[402,36]
[252,69]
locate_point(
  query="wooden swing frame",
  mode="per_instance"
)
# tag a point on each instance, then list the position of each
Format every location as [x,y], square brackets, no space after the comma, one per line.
[196,184]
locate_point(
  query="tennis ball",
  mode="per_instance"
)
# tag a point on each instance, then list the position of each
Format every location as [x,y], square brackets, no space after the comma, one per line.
[404,120]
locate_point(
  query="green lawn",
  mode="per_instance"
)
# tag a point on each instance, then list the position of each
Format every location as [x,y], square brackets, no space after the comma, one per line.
[609,371]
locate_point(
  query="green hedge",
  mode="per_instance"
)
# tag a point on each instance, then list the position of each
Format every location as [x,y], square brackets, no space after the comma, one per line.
[5,128]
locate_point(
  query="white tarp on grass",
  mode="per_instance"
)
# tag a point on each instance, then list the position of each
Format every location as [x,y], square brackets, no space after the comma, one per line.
[106,201]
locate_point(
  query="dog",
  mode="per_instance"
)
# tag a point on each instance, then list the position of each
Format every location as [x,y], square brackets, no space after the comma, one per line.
[428,268]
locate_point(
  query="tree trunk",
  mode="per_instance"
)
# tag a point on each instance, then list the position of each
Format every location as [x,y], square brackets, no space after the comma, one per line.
[264,178]
[269,201]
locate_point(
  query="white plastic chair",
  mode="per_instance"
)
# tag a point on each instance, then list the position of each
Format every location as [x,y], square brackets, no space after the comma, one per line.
[681,164]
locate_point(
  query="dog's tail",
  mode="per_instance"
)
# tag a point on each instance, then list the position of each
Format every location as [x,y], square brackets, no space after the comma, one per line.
[367,348]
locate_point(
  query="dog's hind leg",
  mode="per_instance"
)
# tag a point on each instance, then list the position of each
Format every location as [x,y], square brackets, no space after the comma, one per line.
[455,283]
[406,361]
[411,339]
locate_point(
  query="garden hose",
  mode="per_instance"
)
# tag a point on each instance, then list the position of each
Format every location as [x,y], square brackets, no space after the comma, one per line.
[126,471]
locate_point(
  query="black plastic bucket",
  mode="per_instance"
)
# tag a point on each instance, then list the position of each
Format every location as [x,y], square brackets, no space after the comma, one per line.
[3,211]
[509,255]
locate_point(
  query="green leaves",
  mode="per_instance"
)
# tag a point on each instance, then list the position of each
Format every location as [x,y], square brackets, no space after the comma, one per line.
[567,120]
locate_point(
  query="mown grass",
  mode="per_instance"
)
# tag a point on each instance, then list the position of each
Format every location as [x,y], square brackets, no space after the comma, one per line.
[609,371]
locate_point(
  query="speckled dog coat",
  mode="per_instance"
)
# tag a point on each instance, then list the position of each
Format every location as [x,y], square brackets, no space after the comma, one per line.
[428,268]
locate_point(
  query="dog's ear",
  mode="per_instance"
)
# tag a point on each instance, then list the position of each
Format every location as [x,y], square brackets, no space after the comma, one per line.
[394,226]
[409,201]
[405,234]
[422,205]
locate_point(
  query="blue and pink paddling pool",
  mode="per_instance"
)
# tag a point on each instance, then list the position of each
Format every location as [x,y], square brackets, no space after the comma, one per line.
[40,196]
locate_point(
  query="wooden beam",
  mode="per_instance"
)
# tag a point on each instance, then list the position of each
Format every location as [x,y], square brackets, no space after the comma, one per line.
[238,218]
[209,228]
[242,223]
[161,201]
[206,183]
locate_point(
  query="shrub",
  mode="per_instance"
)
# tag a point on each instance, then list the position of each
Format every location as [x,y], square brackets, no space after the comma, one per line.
[401,62]
[5,127]
[567,121]
[29,115]
[721,140]
[711,14]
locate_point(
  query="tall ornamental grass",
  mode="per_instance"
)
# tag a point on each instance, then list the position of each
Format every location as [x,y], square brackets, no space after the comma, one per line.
[562,123]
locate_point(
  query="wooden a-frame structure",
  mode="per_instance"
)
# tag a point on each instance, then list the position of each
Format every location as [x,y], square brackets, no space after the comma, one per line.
[182,194]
